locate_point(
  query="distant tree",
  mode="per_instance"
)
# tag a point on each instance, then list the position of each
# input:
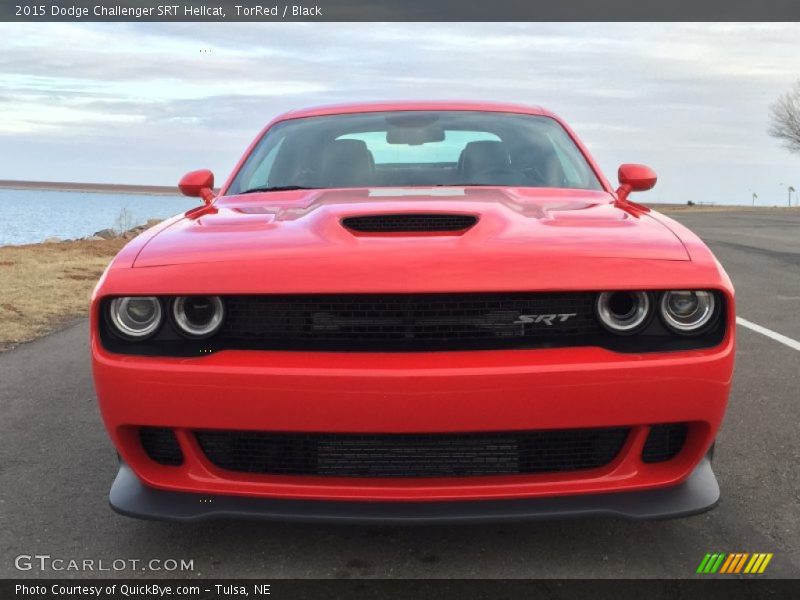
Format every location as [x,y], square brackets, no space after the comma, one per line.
[785,118]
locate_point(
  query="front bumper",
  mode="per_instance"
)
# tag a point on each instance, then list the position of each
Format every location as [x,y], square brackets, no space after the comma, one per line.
[699,493]
[480,391]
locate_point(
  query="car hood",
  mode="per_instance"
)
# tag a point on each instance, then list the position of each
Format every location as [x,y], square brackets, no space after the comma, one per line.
[306,227]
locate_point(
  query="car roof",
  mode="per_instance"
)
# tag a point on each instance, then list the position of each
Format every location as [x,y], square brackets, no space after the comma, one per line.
[339,109]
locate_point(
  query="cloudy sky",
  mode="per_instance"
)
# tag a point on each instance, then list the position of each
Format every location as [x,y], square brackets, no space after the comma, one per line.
[143,103]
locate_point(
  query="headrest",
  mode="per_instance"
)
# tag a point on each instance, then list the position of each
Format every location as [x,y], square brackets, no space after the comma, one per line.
[484,156]
[346,163]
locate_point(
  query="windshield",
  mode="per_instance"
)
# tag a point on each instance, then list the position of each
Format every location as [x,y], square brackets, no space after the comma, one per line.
[415,148]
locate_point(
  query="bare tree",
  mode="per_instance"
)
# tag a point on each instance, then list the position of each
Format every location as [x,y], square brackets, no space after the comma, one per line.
[785,118]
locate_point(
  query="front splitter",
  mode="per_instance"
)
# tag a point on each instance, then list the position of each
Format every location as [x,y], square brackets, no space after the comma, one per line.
[699,493]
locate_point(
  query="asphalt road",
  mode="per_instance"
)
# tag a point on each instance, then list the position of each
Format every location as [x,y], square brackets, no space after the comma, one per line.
[56,467]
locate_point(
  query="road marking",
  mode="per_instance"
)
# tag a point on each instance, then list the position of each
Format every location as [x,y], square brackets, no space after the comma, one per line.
[778,337]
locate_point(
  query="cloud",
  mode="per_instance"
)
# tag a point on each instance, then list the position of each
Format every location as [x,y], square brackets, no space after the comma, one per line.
[139,103]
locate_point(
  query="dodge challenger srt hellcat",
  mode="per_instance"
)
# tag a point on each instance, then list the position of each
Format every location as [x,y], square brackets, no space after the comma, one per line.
[414,312]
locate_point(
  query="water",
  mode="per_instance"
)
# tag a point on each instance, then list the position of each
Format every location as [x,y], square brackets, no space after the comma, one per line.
[30,216]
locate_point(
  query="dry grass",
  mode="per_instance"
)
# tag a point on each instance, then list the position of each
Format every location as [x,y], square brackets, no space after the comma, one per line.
[43,286]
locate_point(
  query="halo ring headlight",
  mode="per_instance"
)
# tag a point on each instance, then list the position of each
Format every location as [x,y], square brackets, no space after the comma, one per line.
[687,311]
[135,317]
[198,317]
[623,312]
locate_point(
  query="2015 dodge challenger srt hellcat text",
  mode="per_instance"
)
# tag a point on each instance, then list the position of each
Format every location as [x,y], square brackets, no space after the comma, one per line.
[414,312]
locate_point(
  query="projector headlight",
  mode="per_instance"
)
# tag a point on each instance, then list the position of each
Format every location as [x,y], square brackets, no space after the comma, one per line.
[623,312]
[135,317]
[687,311]
[198,316]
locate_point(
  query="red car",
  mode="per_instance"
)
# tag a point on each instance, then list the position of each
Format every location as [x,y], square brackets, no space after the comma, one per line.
[414,312]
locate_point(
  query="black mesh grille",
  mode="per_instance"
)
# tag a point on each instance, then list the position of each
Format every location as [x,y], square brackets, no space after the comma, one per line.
[412,455]
[161,445]
[408,321]
[664,442]
[409,223]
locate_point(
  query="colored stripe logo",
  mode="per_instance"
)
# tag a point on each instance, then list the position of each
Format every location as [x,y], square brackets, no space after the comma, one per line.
[734,563]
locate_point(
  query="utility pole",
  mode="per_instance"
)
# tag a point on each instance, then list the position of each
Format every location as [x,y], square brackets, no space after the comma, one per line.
[789,189]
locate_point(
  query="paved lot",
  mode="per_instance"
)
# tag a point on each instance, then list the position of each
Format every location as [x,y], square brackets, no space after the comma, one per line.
[56,467]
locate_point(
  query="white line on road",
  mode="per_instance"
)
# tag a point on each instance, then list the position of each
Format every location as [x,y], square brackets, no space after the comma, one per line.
[778,337]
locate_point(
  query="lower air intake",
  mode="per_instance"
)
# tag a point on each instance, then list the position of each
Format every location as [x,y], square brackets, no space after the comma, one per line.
[664,442]
[412,455]
[161,445]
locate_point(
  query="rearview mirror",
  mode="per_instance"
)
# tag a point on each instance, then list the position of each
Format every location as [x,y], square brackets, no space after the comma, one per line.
[198,184]
[415,136]
[634,178]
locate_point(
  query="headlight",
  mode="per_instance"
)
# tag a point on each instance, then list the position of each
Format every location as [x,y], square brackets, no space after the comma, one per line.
[135,317]
[198,316]
[623,312]
[687,311]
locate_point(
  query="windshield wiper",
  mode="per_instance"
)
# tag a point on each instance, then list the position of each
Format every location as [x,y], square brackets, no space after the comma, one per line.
[278,188]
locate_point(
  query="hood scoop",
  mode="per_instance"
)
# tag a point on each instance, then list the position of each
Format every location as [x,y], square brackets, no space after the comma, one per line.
[442,223]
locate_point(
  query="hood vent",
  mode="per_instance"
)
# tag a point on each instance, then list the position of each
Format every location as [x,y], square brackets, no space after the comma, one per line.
[410,223]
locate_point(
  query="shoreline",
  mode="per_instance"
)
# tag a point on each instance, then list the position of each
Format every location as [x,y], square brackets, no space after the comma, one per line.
[168,190]
[100,188]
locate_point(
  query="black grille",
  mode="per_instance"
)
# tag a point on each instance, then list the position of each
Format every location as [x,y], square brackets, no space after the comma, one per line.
[664,442]
[412,455]
[408,322]
[161,445]
[409,223]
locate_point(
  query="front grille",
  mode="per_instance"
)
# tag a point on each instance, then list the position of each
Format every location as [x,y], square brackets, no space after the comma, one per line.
[408,321]
[400,223]
[664,442]
[161,445]
[412,455]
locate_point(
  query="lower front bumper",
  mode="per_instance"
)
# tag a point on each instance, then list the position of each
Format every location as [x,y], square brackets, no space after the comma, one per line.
[699,493]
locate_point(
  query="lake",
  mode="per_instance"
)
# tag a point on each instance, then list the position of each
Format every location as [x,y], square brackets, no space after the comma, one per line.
[29,216]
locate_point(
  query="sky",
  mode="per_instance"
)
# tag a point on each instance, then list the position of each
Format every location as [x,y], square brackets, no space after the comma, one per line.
[142,103]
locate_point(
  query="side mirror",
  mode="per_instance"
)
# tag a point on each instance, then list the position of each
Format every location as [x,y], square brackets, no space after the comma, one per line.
[634,178]
[198,184]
